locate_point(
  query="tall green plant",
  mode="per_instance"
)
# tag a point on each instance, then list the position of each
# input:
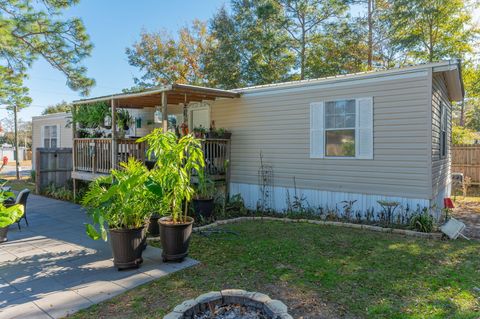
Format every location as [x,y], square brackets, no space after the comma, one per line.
[119,201]
[9,215]
[91,115]
[170,179]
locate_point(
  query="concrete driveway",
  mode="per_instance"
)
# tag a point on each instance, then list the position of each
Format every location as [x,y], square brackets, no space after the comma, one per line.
[51,268]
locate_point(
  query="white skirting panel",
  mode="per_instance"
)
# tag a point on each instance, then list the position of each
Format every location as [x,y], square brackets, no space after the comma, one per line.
[318,198]
[444,192]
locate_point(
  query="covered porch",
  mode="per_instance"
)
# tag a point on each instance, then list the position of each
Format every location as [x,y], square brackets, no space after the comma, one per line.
[177,107]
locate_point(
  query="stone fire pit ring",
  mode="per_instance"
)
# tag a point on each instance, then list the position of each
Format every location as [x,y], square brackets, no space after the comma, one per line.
[274,309]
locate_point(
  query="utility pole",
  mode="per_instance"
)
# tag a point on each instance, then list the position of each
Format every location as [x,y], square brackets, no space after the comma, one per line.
[15,110]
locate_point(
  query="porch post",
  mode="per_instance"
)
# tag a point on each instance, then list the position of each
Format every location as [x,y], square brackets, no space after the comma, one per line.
[74,134]
[74,150]
[164,112]
[114,134]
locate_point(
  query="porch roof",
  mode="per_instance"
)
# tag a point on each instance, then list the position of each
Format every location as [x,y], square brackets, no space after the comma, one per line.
[176,93]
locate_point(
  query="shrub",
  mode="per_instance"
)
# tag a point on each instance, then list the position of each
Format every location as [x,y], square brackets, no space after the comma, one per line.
[58,192]
[422,222]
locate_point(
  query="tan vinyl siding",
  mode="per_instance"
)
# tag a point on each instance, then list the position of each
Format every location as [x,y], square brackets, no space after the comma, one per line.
[440,165]
[276,123]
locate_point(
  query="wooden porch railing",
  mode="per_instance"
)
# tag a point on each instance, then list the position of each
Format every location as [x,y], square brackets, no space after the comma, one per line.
[95,154]
[217,157]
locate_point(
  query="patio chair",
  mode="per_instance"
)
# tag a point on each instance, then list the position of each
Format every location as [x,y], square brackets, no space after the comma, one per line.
[22,199]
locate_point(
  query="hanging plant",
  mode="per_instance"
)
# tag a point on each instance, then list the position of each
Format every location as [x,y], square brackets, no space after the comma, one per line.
[124,119]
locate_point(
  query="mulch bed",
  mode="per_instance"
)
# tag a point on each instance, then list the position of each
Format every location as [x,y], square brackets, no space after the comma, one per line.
[469,213]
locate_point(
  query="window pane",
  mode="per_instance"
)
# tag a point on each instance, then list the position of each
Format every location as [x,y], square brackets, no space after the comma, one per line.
[340,143]
[340,108]
[53,131]
[46,142]
[46,131]
[350,120]
[350,106]
[330,121]
[53,142]
[329,108]
[340,114]
[339,121]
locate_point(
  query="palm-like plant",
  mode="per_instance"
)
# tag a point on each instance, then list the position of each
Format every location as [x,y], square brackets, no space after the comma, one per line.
[120,200]
[170,180]
[8,215]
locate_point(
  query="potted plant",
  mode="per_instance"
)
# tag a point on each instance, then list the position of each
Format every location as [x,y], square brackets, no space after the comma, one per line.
[119,204]
[170,181]
[203,201]
[220,133]
[223,133]
[199,132]
[8,215]
[124,119]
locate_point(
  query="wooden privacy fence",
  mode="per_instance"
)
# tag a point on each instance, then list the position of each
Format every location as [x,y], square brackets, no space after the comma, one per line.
[466,160]
[52,165]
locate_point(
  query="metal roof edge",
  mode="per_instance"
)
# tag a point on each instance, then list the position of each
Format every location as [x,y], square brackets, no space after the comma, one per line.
[341,78]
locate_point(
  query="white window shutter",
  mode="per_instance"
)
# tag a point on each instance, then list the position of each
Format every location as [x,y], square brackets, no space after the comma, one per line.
[317,130]
[364,130]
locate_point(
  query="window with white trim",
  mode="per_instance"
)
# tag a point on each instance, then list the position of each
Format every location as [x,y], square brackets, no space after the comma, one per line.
[443,130]
[342,128]
[50,136]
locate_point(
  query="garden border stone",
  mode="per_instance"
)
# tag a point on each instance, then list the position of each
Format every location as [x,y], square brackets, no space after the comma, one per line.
[405,232]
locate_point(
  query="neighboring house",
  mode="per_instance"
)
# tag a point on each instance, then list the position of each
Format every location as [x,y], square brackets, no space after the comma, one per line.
[51,131]
[382,135]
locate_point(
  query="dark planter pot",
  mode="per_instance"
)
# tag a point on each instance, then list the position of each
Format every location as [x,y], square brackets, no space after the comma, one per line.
[153,227]
[144,237]
[127,247]
[203,208]
[175,238]
[225,136]
[150,164]
[3,234]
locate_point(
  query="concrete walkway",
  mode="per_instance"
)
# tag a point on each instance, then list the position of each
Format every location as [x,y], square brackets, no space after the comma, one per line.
[51,268]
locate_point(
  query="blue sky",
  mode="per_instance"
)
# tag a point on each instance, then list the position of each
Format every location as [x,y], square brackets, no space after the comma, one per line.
[112,26]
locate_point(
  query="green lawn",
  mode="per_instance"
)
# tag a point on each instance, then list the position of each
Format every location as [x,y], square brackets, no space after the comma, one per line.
[18,185]
[319,271]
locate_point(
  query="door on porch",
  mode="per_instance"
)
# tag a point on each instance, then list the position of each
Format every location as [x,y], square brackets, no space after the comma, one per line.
[199,116]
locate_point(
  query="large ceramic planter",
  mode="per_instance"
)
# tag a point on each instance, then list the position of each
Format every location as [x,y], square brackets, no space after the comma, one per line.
[175,238]
[203,208]
[127,247]
[3,234]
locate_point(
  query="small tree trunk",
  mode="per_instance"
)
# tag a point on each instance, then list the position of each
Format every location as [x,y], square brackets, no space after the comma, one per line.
[370,34]
[17,171]
[462,113]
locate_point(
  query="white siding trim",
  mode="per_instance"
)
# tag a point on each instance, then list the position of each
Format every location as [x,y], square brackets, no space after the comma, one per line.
[364,128]
[317,130]
[315,198]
